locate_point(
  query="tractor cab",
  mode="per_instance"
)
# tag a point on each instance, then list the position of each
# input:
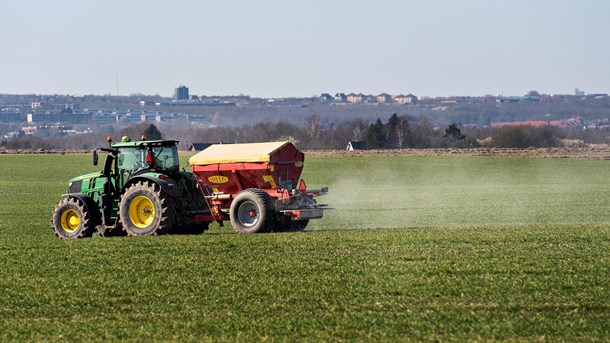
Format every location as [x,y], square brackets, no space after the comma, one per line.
[127,159]
[162,158]
[142,157]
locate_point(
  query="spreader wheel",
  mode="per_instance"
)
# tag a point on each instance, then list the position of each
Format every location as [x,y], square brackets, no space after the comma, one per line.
[72,220]
[252,211]
[145,210]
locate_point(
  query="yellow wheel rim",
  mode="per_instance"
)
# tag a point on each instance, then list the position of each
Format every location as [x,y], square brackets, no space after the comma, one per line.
[70,220]
[141,211]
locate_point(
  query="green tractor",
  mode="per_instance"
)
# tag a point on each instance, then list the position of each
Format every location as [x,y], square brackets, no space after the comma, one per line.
[139,192]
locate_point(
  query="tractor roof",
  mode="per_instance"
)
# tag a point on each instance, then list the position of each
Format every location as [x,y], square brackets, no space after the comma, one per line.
[144,144]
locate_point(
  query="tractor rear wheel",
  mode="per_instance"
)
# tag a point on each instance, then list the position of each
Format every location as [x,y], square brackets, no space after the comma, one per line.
[145,209]
[72,220]
[252,211]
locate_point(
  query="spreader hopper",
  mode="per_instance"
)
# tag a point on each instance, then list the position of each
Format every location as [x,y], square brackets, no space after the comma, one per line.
[257,186]
[231,168]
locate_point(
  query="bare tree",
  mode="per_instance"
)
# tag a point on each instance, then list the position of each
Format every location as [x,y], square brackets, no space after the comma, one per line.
[403,134]
[315,131]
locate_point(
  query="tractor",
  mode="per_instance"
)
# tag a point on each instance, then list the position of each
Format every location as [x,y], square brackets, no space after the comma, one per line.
[141,191]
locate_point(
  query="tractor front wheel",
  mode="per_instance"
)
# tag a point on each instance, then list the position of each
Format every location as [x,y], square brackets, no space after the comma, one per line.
[252,211]
[72,220]
[144,210]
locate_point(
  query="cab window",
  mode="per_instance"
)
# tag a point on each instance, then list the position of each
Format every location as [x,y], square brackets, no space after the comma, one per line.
[132,158]
[166,157]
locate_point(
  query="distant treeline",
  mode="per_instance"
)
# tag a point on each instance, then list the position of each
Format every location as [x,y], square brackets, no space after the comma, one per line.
[398,132]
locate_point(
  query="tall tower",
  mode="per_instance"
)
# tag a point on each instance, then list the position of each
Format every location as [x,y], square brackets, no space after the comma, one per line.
[182,93]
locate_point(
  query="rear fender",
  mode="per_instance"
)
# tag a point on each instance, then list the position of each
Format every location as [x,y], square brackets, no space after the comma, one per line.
[169,186]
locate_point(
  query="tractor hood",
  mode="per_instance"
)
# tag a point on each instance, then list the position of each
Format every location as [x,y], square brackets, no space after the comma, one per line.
[86,176]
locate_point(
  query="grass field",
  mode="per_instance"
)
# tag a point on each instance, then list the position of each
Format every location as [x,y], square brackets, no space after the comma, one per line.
[418,248]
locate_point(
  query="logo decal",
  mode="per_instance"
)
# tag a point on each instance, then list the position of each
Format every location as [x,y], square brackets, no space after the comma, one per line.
[269,180]
[218,179]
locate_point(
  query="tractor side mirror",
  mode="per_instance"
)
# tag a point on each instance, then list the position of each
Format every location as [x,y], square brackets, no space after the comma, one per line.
[95,158]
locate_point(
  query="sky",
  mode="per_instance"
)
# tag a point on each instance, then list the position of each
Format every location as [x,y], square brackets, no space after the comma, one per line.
[273,48]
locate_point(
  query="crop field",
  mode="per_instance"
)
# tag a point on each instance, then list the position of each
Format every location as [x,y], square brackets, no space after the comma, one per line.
[442,248]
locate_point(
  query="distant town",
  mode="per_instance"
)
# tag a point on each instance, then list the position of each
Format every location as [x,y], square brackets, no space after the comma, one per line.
[64,115]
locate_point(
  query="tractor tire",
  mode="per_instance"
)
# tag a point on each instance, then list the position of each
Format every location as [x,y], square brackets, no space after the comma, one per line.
[253,211]
[72,220]
[145,210]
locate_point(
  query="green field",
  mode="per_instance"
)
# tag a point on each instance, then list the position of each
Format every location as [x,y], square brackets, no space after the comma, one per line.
[418,248]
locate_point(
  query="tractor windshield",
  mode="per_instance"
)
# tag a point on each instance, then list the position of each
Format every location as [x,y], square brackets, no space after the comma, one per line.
[161,157]
[132,158]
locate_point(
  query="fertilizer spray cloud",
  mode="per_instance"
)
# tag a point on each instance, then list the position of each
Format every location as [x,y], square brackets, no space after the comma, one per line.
[415,192]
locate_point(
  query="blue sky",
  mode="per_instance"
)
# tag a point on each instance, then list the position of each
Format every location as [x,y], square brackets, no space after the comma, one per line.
[288,48]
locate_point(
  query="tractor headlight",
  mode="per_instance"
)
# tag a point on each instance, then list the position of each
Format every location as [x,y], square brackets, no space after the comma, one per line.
[74,187]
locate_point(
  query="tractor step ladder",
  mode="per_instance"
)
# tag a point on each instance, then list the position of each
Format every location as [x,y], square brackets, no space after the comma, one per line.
[208,196]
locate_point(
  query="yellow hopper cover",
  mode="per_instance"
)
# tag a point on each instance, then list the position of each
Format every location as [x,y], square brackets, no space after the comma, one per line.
[235,153]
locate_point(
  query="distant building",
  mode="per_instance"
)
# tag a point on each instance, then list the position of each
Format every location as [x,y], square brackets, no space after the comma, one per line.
[531,96]
[411,99]
[340,97]
[355,98]
[503,99]
[566,123]
[12,117]
[384,98]
[371,99]
[578,92]
[199,146]
[325,97]
[408,99]
[144,103]
[356,145]
[182,93]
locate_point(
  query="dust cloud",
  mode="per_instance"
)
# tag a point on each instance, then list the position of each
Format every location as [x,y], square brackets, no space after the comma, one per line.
[414,192]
